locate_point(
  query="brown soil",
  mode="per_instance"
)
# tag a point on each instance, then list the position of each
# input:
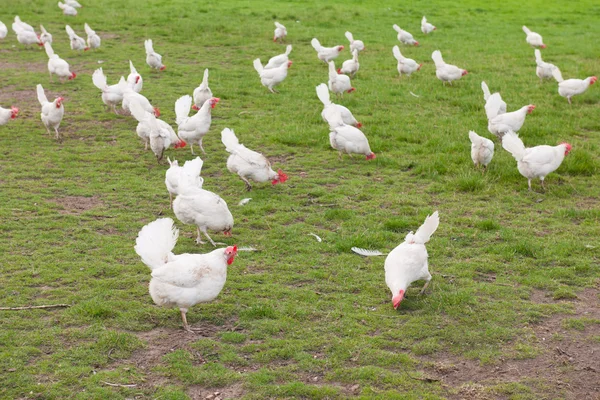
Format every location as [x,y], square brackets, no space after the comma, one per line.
[567,368]
[74,205]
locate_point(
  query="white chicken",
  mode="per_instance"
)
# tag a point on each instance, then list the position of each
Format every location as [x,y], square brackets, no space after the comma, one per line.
[405,65]
[533,39]
[57,65]
[408,262]
[278,60]
[354,44]
[111,95]
[45,37]
[572,87]
[482,150]
[182,280]
[52,112]
[338,83]
[3,30]
[134,79]
[248,164]
[426,27]
[405,37]
[193,129]
[446,72]
[93,40]
[535,162]
[6,114]
[77,42]
[24,35]
[158,133]
[153,59]
[543,70]
[280,32]
[271,77]
[202,92]
[189,174]
[130,95]
[67,9]
[332,110]
[326,54]
[494,105]
[510,121]
[206,210]
[350,66]
[348,139]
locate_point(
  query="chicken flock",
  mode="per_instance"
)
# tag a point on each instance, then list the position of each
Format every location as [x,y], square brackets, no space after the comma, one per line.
[184,280]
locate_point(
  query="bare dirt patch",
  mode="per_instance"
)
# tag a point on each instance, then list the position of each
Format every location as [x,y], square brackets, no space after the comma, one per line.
[75,205]
[41,66]
[201,393]
[569,363]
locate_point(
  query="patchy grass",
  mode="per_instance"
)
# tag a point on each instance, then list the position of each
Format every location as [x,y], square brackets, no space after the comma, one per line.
[302,319]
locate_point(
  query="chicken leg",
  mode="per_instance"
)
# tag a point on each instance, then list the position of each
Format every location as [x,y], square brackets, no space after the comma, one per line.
[425,286]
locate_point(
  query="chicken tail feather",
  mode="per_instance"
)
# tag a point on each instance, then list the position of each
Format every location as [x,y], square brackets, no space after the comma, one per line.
[156,241]
[514,145]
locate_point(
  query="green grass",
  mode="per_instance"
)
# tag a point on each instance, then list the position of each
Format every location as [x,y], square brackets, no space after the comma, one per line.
[297,309]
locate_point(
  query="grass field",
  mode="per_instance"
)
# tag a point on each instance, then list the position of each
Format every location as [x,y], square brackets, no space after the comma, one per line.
[513,308]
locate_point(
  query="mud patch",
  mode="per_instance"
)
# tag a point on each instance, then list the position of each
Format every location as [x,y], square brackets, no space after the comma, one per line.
[568,366]
[75,205]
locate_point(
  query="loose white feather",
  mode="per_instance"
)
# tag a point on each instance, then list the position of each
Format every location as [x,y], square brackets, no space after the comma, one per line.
[367,253]
[316,237]
[245,201]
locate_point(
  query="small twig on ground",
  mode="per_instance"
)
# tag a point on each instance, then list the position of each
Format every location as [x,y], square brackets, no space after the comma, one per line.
[33,307]
[119,385]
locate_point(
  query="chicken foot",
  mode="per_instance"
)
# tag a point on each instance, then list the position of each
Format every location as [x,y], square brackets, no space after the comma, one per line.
[425,286]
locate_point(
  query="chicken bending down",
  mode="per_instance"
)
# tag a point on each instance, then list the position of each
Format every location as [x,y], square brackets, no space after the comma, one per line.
[57,65]
[25,33]
[67,9]
[494,105]
[354,44]
[482,150]
[45,37]
[426,27]
[158,133]
[271,77]
[93,40]
[276,61]
[153,59]
[111,95]
[188,174]
[206,210]
[280,32]
[129,96]
[331,110]
[326,54]
[3,30]
[134,79]
[405,65]
[76,42]
[407,263]
[535,162]
[52,112]
[572,87]
[510,121]
[533,39]
[350,66]
[182,280]
[248,164]
[543,70]
[7,114]
[405,37]
[348,139]
[202,92]
[193,129]
[446,72]
[339,83]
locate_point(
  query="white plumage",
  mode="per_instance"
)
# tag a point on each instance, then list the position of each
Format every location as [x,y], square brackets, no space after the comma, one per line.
[326,54]
[405,37]
[183,280]
[45,37]
[510,121]
[52,112]
[193,129]
[354,44]
[188,174]
[111,95]
[93,40]
[3,30]
[533,39]
[248,164]
[57,65]
[572,87]
[482,149]
[77,42]
[7,114]
[332,112]
[153,59]
[535,162]
[350,66]
[271,77]
[134,79]
[348,139]
[405,65]
[408,262]
[494,105]
[202,92]
[280,32]
[446,72]
[67,9]
[278,60]
[543,70]
[426,27]
[339,83]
